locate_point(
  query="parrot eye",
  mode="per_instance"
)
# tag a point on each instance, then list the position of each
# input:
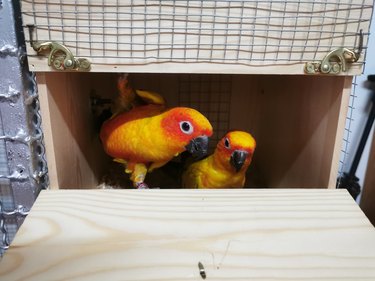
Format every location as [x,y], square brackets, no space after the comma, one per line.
[226,143]
[186,127]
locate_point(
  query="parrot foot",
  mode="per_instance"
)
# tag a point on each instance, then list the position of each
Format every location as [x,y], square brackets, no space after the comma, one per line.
[142,185]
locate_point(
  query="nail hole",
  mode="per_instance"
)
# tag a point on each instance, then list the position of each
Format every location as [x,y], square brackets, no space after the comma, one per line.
[40,165]
[39,150]
[35,119]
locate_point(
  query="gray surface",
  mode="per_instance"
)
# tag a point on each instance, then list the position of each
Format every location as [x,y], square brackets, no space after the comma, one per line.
[22,168]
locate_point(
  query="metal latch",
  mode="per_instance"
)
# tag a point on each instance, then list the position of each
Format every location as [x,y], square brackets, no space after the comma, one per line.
[60,57]
[335,61]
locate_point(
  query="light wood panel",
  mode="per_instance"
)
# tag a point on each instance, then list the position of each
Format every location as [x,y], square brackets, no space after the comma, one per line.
[39,64]
[74,154]
[342,107]
[198,36]
[298,122]
[162,235]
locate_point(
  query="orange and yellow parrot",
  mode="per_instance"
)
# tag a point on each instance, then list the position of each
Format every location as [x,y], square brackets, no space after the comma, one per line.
[144,135]
[226,167]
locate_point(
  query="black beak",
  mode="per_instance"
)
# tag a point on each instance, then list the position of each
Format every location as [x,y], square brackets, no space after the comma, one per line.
[198,147]
[237,159]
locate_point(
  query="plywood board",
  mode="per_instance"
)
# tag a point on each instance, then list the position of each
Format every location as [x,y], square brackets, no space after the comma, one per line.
[162,235]
[74,154]
[298,124]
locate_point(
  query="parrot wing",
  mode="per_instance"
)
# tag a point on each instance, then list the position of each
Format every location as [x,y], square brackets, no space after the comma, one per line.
[193,175]
[147,137]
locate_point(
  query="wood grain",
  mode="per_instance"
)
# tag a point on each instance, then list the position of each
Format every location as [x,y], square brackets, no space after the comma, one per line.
[163,234]
[198,36]
[297,128]
[298,122]
[74,153]
[342,107]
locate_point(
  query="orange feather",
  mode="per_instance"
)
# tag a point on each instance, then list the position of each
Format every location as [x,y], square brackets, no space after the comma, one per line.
[143,135]
[150,136]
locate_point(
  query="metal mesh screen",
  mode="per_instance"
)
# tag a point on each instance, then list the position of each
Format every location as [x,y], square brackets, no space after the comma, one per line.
[257,32]
[8,226]
[211,95]
[347,131]
[9,213]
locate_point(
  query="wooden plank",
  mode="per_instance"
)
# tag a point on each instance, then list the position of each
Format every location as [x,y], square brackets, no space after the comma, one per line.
[74,155]
[342,106]
[39,64]
[297,132]
[248,34]
[163,234]
[47,128]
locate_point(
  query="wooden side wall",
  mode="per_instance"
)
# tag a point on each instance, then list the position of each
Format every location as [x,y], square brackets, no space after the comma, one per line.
[297,121]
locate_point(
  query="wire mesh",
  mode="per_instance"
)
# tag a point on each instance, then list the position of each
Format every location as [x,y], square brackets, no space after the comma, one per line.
[21,173]
[12,197]
[257,32]
[211,95]
[347,131]
[8,226]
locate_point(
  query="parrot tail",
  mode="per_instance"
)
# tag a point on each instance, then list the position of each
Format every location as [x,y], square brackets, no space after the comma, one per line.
[123,86]
[125,99]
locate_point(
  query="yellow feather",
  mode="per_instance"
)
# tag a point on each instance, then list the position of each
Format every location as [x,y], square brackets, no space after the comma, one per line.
[216,171]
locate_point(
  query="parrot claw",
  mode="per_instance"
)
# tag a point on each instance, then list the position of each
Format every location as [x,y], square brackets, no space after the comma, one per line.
[142,185]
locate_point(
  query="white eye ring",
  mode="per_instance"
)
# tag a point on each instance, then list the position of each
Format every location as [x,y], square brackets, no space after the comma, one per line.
[227,143]
[186,127]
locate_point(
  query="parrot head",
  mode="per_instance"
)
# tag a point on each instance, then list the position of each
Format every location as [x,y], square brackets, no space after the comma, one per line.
[189,129]
[235,150]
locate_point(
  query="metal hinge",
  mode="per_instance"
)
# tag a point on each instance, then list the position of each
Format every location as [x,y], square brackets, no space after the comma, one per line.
[336,60]
[60,57]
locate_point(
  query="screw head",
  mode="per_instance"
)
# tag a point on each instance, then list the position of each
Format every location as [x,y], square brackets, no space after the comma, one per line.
[325,68]
[336,68]
[57,64]
[85,64]
[68,63]
[310,68]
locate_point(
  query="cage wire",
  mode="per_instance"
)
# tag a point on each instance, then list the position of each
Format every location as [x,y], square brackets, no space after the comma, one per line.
[211,95]
[8,224]
[11,212]
[23,169]
[343,164]
[256,32]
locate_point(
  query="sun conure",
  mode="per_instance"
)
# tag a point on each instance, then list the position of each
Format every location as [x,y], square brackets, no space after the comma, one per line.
[226,167]
[144,135]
